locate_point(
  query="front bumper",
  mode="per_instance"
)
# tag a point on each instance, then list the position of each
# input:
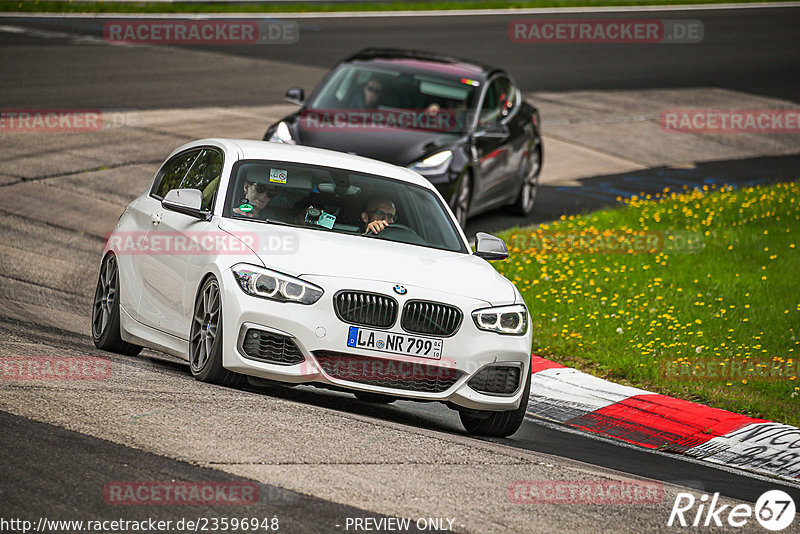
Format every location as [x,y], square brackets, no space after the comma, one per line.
[321,337]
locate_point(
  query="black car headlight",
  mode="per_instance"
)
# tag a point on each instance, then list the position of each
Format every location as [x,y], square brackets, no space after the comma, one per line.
[436,164]
[510,320]
[264,283]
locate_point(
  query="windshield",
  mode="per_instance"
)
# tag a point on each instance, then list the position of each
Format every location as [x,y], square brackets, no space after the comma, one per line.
[393,98]
[341,201]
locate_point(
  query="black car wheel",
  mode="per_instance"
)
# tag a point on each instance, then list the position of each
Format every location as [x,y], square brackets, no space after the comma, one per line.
[529,186]
[105,311]
[497,424]
[205,339]
[462,199]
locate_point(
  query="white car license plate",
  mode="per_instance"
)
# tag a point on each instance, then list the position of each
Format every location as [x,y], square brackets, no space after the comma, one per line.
[363,338]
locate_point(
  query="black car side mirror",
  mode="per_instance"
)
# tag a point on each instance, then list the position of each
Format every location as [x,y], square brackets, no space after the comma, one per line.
[489,247]
[296,95]
[493,130]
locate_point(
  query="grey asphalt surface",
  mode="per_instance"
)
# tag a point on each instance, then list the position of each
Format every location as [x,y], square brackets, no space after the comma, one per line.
[746,50]
[749,50]
[150,393]
[53,473]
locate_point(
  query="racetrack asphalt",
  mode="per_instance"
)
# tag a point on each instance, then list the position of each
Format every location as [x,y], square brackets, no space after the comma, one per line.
[747,50]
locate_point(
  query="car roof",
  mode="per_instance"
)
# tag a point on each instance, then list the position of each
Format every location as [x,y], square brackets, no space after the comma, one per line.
[251,149]
[423,61]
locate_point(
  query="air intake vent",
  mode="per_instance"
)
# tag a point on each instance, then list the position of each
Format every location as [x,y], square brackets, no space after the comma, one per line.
[496,380]
[433,318]
[367,309]
[386,373]
[270,348]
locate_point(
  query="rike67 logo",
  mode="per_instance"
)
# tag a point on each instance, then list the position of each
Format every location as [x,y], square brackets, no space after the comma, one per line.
[774,510]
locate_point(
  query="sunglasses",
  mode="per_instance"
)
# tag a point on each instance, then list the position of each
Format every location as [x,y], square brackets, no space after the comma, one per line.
[260,188]
[381,215]
[373,89]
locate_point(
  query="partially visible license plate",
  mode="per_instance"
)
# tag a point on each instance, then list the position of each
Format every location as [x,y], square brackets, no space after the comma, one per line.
[363,338]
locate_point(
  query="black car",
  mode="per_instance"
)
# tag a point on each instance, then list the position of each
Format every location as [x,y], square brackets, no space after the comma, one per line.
[463,126]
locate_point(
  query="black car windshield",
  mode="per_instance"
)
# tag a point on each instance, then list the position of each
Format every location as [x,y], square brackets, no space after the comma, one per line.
[395,98]
[340,201]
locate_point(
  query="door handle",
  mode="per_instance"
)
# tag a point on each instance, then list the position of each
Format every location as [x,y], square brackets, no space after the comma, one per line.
[155,218]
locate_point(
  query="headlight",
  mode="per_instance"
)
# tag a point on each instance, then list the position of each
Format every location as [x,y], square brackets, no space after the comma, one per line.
[435,164]
[282,134]
[272,285]
[511,320]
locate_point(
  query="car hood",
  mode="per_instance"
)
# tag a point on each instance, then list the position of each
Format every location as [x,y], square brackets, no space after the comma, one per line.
[314,253]
[392,145]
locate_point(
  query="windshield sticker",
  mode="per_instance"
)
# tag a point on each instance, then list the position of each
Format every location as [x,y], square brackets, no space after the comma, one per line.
[246,208]
[278,176]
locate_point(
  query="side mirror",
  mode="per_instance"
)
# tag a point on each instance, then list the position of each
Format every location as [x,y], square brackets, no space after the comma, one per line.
[186,201]
[493,130]
[296,95]
[489,247]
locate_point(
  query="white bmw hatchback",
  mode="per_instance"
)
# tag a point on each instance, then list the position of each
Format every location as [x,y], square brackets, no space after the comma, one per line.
[302,265]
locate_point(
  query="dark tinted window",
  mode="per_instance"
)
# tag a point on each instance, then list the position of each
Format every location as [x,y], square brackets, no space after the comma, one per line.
[173,172]
[340,201]
[418,94]
[204,175]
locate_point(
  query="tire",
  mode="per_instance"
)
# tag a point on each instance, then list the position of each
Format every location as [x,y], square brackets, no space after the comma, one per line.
[205,339]
[376,398]
[463,199]
[497,424]
[105,311]
[529,184]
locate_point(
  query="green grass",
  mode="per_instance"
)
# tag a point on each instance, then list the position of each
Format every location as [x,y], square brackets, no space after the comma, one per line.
[291,7]
[625,316]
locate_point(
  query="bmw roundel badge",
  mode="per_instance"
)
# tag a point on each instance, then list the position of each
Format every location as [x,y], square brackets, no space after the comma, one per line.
[400,290]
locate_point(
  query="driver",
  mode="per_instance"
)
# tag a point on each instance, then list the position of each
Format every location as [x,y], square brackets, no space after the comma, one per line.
[258,193]
[379,214]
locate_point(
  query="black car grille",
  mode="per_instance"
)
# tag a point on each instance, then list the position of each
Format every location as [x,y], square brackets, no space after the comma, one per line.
[423,317]
[496,380]
[367,309]
[270,348]
[408,376]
